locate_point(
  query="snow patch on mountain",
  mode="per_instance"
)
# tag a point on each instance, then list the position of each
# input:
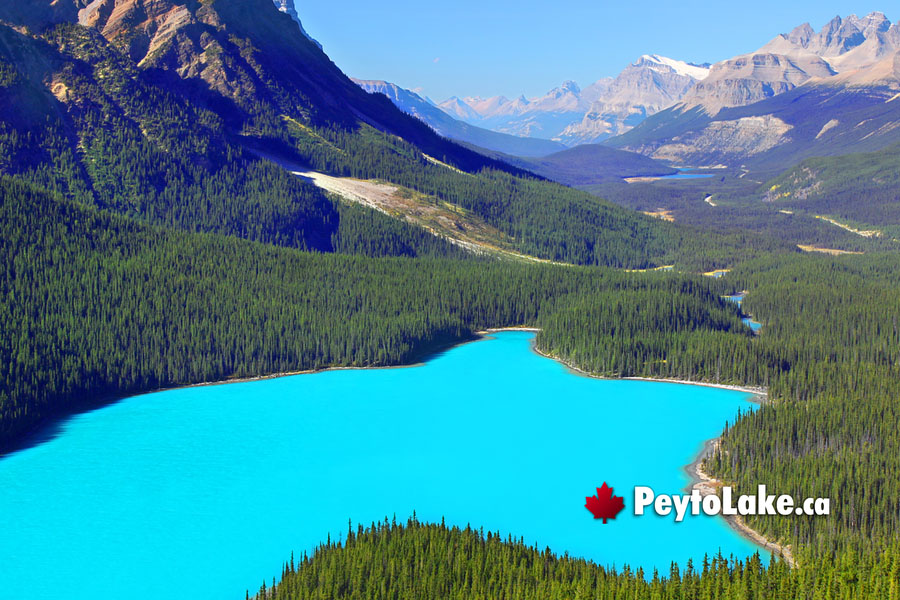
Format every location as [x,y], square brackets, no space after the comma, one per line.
[680,67]
[287,7]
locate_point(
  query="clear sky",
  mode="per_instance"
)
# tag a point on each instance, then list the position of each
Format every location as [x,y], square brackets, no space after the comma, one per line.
[491,47]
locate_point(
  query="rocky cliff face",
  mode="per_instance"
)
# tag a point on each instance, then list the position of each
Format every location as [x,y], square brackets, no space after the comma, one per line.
[792,59]
[735,139]
[753,77]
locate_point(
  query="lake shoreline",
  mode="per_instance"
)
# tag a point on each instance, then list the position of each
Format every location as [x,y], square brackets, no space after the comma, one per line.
[759,394]
[709,486]
[700,480]
[48,428]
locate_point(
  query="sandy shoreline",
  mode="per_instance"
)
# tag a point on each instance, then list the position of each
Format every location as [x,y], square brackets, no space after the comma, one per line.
[277,375]
[707,485]
[700,480]
[759,393]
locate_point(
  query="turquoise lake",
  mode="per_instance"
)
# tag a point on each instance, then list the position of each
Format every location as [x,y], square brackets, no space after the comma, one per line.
[203,492]
[681,174]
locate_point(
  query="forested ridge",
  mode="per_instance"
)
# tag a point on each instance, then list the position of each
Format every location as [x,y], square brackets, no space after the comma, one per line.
[543,219]
[832,332]
[860,189]
[416,560]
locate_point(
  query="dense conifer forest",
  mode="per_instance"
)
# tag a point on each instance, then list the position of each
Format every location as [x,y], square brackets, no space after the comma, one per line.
[543,219]
[415,560]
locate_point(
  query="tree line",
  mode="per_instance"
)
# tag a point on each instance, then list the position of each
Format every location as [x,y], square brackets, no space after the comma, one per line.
[415,560]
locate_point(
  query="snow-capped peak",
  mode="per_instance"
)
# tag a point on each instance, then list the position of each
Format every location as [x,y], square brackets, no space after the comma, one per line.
[680,67]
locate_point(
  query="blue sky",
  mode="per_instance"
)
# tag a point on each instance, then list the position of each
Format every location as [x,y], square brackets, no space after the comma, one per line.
[491,47]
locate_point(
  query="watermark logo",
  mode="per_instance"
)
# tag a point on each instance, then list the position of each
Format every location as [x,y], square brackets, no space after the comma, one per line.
[604,505]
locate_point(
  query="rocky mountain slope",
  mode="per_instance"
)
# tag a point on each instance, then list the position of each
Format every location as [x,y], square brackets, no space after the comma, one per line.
[819,119]
[287,6]
[789,60]
[645,87]
[803,94]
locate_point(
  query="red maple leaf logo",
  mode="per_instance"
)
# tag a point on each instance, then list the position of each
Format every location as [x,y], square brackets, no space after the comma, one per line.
[604,505]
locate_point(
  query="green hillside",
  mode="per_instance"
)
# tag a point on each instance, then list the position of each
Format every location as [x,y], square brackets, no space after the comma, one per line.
[860,190]
[416,560]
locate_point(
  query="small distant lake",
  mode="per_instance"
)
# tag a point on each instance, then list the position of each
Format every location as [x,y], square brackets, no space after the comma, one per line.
[684,174]
[203,492]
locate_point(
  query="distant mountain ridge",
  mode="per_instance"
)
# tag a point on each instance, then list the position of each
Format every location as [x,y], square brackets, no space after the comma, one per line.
[645,87]
[542,117]
[447,126]
[859,52]
[574,116]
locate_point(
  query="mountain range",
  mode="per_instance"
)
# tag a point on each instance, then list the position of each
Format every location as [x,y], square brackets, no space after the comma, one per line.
[458,130]
[541,117]
[645,87]
[802,94]
[572,116]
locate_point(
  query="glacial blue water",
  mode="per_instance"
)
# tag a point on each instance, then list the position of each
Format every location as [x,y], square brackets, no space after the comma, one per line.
[747,320]
[681,174]
[203,492]
[752,324]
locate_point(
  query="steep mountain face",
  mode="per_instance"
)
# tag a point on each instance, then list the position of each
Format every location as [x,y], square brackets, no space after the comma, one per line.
[447,126]
[753,77]
[848,43]
[645,87]
[150,108]
[242,59]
